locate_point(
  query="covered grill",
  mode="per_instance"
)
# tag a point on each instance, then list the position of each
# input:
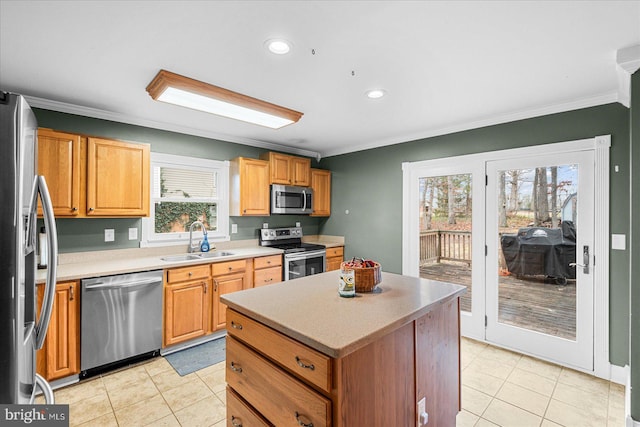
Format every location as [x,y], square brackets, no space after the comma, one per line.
[544,251]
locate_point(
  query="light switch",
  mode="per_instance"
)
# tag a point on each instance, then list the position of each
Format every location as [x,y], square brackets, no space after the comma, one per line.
[234,228]
[109,234]
[619,242]
[133,233]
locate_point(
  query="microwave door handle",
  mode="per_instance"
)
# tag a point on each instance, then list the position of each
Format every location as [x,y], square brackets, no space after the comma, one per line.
[304,197]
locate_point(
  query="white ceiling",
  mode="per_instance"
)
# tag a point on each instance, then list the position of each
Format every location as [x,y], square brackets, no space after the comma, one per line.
[446,65]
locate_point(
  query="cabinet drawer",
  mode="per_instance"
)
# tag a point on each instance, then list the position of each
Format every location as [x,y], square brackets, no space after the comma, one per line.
[278,396]
[227,267]
[267,276]
[267,261]
[304,362]
[241,414]
[337,251]
[187,273]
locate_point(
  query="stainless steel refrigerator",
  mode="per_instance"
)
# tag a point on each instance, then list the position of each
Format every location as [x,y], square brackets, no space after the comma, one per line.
[22,330]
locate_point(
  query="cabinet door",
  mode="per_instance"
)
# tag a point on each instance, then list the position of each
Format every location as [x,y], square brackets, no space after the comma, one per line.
[223,285]
[117,178]
[254,187]
[321,185]
[186,311]
[60,356]
[301,171]
[59,162]
[280,169]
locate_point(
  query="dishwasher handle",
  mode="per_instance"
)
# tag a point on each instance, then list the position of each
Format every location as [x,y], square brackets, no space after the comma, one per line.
[102,285]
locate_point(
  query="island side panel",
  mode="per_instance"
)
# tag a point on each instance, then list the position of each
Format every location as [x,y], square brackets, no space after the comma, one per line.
[375,385]
[438,363]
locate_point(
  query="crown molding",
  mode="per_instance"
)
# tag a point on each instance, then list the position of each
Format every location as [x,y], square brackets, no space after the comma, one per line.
[627,63]
[96,113]
[593,101]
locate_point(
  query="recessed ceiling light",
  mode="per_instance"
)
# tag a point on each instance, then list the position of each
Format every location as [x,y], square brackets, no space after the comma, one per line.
[375,93]
[278,46]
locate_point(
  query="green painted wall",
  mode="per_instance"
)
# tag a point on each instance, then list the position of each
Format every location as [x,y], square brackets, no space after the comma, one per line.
[369,185]
[634,336]
[87,234]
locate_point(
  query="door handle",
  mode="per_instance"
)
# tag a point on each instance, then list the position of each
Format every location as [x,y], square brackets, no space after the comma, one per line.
[585,260]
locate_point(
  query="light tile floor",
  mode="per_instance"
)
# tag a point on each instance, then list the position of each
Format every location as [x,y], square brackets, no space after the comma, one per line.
[499,388]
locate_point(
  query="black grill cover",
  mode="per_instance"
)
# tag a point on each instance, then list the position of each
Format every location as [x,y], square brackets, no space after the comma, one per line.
[541,251]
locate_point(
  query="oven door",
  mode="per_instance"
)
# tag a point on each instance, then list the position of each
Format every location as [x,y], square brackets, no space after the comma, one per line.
[302,264]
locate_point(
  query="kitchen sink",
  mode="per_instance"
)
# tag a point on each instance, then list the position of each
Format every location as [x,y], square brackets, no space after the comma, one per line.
[177,258]
[215,254]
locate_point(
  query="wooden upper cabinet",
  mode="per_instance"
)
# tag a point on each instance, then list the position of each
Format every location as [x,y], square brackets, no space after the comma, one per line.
[301,171]
[249,187]
[117,178]
[59,161]
[321,185]
[288,170]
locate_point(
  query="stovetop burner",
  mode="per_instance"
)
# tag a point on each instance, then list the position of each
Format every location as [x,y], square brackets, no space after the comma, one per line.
[298,247]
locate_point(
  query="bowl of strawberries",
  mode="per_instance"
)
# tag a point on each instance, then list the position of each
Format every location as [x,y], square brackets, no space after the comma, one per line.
[367,273]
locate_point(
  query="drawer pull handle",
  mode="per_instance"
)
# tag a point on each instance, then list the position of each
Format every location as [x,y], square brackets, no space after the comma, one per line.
[302,423]
[235,422]
[236,368]
[235,325]
[303,365]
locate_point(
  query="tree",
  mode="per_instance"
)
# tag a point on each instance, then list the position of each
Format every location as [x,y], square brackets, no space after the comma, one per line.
[540,196]
[514,186]
[502,200]
[451,201]
[554,196]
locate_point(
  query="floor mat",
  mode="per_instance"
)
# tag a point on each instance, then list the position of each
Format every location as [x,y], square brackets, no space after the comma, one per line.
[195,358]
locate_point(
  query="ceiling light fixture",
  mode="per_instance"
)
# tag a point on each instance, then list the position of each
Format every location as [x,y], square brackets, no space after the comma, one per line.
[375,93]
[278,46]
[180,90]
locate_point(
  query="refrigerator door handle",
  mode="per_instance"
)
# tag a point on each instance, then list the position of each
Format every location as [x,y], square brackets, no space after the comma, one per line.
[52,249]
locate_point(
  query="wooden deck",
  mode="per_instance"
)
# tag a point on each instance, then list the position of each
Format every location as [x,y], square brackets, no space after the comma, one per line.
[534,303]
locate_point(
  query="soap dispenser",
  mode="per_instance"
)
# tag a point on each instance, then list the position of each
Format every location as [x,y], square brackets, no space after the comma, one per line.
[204,246]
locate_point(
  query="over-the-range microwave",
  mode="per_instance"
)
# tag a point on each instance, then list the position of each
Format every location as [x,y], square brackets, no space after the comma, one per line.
[292,200]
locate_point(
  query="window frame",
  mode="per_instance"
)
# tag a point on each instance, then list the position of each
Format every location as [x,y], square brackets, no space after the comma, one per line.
[221,234]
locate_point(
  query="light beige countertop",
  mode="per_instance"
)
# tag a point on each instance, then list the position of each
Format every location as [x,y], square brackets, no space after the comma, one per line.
[82,265]
[310,310]
[75,266]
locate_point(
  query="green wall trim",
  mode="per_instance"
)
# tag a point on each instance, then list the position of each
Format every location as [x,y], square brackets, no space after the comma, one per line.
[369,185]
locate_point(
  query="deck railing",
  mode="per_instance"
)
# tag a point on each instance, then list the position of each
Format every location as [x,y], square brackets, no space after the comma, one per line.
[441,245]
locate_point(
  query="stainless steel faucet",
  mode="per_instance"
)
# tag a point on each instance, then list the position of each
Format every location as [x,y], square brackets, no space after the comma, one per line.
[204,232]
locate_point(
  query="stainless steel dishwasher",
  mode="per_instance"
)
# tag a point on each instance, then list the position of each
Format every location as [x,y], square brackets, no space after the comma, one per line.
[121,320]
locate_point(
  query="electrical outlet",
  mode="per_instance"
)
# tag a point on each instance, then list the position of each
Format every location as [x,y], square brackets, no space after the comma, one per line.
[297,224]
[234,228]
[265,225]
[133,233]
[109,235]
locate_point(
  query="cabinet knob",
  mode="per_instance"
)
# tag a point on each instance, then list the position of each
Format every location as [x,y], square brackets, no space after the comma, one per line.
[74,209]
[190,274]
[91,209]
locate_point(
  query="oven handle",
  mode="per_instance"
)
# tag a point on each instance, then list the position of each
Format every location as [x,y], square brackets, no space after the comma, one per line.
[304,255]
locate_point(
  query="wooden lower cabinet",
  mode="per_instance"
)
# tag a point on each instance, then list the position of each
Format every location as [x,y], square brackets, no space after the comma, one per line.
[224,285]
[60,355]
[378,385]
[335,256]
[187,303]
[267,270]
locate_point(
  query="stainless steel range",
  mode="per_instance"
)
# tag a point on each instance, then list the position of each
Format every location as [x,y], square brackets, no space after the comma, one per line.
[300,259]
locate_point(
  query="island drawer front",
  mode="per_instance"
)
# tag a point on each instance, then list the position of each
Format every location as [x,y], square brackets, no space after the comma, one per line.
[267,261]
[302,361]
[241,414]
[267,276]
[337,251]
[228,267]
[192,272]
[278,396]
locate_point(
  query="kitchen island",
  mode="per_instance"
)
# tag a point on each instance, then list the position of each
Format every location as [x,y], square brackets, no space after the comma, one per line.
[298,354]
